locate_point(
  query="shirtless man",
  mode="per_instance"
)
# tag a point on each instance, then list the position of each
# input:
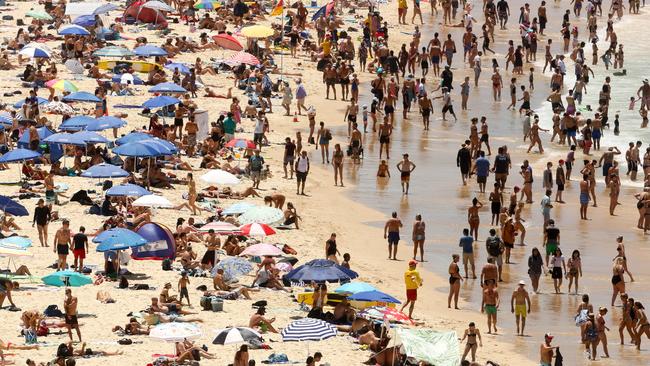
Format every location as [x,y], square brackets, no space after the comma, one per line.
[534,136]
[546,351]
[258,321]
[520,305]
[607,160]
[385,130]
[405,167]
[644,94]
[62,244]
[489,273]
[391,232]
[275,200]
[70,310]
[489,306]
[634,160]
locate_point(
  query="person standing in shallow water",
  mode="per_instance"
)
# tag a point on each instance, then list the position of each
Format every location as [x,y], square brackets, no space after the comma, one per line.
[391,232]
[405,167]
[419,228]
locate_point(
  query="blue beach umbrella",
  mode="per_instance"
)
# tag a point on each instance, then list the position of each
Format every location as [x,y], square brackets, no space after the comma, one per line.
[6,120]
[128,190]
[18,241]
[321,270]
[84,20]
[67,278]
[167,88]
[123,234]
[12,207]
[64,138]
[18,155]
[160,102]
[164,147]
[176,65]
[76,123]
[319,13]
[104,123]
[233,268]
[19,104]
[81,96]
[138,150]
[74,30]
[133,137]
[375,295]
[117,78]
[113,51]
[120,242]
[32,52]
[90,137]
[104,170]
[308,329]
[355,287]
[149,50]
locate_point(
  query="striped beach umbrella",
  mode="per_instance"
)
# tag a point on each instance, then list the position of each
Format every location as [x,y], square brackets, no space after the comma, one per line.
[243,57]
[241,143]
[234,335]
[113,51]
[308,329]
[63,85]
[257,229]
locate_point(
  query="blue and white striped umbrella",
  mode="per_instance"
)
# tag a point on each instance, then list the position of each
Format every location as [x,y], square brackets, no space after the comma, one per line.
[74,30]
[113,51]
[34,53]
[308,329]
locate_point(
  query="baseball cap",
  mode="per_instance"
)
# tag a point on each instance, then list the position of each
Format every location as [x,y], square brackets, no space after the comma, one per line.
[522,282]
[548,335]
[413,262]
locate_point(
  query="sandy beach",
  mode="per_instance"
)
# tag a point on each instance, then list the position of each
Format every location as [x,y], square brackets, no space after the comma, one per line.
[356,213]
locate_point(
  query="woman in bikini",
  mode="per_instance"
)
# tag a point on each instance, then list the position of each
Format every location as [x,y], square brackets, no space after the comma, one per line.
[472,217]
[337,162]
[644,326]
[582,315]
[454,281]
[618,281]
[418,237]
[628,318]
[575,269]
[471,334]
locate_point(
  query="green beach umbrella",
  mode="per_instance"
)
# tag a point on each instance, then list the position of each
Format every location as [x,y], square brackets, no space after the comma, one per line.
[38,14]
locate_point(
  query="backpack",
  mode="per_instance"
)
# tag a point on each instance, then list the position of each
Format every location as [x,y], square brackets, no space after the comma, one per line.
[328,135]
[256,164]
[167,264]
[53,311]
[493,247]
[558,357]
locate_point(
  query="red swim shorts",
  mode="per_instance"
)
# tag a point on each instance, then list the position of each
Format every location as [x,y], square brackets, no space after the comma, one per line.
[79,253]
[412,294]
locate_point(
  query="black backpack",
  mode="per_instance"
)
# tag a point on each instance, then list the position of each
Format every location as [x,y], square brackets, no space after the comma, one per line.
[558,357]
[493,247]
[167,264]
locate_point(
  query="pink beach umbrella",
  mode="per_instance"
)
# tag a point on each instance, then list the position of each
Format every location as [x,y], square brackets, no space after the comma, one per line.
[257,229]
[262,250]
[228,42]
[243,57]
[222,228]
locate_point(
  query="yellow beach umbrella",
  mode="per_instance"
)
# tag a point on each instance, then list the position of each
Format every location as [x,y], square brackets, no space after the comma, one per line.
[257,31]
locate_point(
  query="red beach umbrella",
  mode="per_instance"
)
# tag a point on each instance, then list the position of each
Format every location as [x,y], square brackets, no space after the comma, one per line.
[257,229]
[241,143]
[243,58]
[228,42]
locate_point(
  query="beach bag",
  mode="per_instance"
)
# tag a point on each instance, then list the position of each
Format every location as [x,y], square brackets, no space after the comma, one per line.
[42,331]
[328,135]
[167,264]
[30,336]
[53,311]
[124,283]
[558,357]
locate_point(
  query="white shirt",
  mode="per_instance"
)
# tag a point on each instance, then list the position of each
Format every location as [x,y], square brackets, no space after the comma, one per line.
[303,163]
[259,126]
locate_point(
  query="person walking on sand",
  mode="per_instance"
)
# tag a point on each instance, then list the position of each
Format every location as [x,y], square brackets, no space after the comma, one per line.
[584,197]
[302,169]
[471,334]
[42,217]
[62,244]
[80,248]
[490,305]
[520,306]
[546,351]
[419,229]
[391,232]
[405,167]
[413,282]
[602,329]
[558,266]
[454,281]
[467,243]
[70,309]
[575,269]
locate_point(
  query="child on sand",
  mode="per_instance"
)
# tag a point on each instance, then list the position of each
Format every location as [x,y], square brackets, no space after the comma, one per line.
[182,288]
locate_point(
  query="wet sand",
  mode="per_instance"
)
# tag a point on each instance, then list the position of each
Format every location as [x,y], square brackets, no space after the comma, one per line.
[438,195]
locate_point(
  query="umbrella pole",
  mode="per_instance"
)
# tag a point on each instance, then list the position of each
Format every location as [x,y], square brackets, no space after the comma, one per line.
[282,51]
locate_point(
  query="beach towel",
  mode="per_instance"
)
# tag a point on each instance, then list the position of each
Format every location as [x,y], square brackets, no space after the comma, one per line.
[582,317]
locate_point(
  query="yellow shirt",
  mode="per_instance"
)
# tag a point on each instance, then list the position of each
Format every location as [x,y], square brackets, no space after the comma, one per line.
[401,4]
[412,279]
[327,47]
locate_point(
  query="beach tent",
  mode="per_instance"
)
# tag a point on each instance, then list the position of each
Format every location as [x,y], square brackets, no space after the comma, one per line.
[145,15]
[161,243]
[433,347]
[56,151]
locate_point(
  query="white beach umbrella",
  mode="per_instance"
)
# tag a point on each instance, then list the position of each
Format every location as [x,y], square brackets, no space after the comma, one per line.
[153,201]
[218,176]
[157,5]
